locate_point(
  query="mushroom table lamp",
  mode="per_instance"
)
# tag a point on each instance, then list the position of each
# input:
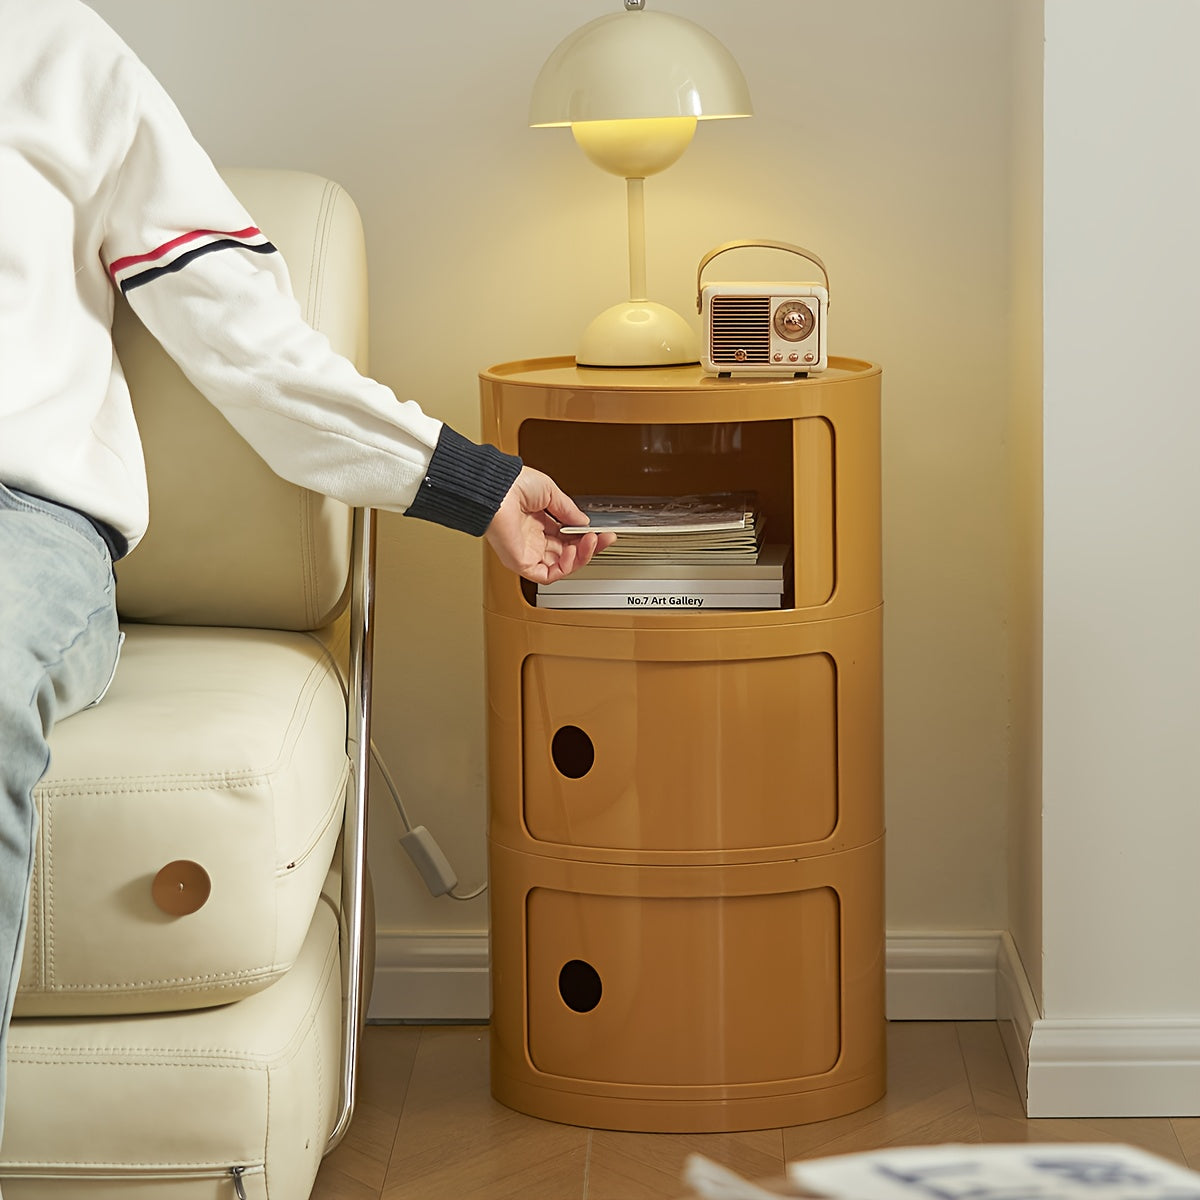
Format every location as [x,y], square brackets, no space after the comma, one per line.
[632,86]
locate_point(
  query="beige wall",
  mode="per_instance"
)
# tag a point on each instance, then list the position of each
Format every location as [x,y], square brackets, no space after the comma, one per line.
[882,140]
[1025,496]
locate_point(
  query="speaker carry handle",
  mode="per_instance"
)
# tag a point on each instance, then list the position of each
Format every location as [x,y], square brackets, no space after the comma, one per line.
[751,244]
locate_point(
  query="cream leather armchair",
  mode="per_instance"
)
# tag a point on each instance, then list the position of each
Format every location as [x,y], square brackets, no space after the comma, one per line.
[192,987]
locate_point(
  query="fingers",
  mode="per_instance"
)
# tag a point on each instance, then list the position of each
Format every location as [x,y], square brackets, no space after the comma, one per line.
[560,506]
[568,556]
[525,531]
[571,554]
[540,494]
[587,545]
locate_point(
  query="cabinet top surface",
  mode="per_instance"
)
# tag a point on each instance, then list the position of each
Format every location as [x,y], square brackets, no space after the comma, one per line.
[563,372]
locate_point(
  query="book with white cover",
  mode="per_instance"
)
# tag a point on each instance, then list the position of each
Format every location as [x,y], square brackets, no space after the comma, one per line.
[1055,1171]
[623,553]
[1030,1171]
[595,587]
[765,574]
[691,600]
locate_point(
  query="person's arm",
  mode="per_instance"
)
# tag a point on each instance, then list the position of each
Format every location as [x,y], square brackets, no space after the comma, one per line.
[214,291]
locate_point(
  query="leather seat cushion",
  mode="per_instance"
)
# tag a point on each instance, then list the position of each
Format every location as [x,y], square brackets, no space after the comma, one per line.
[222,748]
[166,1106]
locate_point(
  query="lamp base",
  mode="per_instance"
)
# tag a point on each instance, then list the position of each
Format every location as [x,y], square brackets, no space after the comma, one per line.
[637,333]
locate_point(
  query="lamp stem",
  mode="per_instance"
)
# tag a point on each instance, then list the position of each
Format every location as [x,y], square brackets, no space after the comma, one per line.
[635,196]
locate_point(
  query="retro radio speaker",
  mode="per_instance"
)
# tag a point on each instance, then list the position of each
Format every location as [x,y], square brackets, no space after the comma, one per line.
[763,328]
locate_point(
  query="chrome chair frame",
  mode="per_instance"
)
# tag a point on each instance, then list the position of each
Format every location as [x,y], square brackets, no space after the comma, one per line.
[354,822]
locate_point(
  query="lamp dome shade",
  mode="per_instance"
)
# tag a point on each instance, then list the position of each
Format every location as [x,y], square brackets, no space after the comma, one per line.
[637,64]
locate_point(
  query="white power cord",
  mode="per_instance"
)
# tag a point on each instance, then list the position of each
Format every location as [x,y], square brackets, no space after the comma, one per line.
[419,844]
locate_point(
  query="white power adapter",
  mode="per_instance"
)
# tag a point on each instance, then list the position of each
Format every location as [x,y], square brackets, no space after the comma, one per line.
[428,858]
[420,846]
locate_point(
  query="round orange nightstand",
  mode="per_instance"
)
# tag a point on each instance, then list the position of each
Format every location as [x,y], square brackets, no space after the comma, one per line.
[686,811]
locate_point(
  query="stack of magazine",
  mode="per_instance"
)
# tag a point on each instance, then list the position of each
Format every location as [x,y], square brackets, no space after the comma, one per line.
[678,552]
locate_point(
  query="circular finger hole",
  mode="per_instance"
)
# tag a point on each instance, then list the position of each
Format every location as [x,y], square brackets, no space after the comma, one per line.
[579,985]
[572,751]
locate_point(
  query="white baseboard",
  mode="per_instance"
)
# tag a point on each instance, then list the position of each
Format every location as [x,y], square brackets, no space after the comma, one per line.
[1016,1010]
[430,977]
[942,976]
[1073,1068]
[1095,1068]
[1114,1068]
[444,976]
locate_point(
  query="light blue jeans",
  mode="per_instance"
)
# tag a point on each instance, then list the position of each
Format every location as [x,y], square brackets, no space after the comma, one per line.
[58,651]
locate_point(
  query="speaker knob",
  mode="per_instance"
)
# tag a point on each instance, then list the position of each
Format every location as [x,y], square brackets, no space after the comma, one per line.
[794,320]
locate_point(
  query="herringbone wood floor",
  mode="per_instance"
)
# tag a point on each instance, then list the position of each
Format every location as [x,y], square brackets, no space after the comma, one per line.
[426,1127]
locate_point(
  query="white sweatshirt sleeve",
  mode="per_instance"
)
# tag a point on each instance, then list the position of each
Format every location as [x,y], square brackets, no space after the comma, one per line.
[214,291]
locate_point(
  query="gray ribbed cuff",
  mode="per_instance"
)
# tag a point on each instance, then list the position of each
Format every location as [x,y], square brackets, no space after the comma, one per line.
[464,485]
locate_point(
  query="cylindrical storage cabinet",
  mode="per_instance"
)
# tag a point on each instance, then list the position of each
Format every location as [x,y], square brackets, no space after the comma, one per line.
[686,812]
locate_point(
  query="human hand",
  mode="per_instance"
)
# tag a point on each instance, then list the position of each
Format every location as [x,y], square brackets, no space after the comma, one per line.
[524,533]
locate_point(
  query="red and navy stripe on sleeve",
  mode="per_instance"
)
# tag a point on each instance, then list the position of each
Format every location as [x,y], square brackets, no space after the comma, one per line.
[136,269]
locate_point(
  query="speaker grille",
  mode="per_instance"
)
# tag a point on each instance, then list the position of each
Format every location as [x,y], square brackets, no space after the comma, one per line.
[740,329]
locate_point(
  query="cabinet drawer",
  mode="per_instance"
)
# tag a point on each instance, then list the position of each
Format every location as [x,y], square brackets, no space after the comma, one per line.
[680,755]
[660,985]
[742,745]
[676,991]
